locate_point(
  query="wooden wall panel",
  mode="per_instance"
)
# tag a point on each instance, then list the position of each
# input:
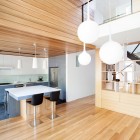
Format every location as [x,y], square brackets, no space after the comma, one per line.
[125,103]
[136,5]
[125,108]
[98,83]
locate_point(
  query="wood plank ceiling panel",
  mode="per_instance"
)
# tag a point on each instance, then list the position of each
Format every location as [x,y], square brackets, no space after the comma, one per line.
[78,3]
[56,19]
[11,40]
[51,24]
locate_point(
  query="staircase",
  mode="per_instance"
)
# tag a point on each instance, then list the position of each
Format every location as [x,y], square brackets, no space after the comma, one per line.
[132,56]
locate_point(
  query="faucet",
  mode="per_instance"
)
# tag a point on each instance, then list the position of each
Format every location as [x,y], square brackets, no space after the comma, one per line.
[29,79]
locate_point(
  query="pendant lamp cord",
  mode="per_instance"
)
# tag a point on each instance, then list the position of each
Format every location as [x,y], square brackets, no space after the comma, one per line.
[19,51]
[84,47]
[45,52]
[88,13]
[35,48]
[109,25]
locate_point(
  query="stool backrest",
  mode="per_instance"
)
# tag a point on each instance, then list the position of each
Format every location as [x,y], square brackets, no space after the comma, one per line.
[37,99]
[54,96]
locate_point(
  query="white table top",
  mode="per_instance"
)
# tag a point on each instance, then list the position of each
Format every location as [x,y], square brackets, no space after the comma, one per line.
[23,93]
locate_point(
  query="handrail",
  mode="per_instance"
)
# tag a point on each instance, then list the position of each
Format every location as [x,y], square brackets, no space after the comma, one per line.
[113,17]
[135,48]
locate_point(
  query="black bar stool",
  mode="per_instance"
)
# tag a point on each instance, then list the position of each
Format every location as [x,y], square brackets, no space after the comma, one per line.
[36,99]
[54,96]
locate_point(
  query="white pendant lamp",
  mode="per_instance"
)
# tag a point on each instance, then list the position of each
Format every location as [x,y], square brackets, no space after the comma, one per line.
[44,64]
[19,63]
[111,52]
[45,60]
[88,30]
[84,58]
[34,64]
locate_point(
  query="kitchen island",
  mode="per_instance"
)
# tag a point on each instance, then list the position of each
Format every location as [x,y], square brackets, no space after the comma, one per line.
[23,93]
[10,107]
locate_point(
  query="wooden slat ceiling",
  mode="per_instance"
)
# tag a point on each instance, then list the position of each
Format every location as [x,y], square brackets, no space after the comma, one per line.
[11,40]
[78,3]
[57,19]
[51,24]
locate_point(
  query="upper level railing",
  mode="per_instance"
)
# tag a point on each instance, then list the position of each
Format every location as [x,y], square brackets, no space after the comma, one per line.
[103,11]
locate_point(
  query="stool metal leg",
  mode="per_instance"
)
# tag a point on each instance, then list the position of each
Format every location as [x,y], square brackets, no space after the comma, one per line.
[35,121]
[34,115]
[53,111]
[26,113]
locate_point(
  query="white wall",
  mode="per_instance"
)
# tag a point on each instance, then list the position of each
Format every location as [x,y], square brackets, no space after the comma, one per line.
[9,60]
[80,81]
[121,25]
[124,30]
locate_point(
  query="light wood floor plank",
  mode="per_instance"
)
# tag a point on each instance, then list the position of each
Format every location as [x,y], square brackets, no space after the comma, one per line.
[79,120]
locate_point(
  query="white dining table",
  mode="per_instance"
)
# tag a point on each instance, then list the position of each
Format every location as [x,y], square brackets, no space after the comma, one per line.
[23,93]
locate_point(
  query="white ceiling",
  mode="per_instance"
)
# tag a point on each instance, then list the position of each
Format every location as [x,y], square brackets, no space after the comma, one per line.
[123,34]
[124,30]
[122,37]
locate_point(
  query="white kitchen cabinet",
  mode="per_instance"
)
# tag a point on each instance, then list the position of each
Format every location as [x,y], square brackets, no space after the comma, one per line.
[8,60]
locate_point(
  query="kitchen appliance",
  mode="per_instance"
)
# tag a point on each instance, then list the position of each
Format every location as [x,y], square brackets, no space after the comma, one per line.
[53,76]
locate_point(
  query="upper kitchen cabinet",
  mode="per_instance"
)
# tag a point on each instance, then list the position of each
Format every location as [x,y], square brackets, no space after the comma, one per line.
[11,62]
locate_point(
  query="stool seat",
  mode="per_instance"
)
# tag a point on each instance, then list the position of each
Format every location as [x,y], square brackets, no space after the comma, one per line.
[29,102]
[54,96]
[48,98]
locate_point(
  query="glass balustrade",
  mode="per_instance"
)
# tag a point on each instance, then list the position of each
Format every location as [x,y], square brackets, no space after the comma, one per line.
[103,11]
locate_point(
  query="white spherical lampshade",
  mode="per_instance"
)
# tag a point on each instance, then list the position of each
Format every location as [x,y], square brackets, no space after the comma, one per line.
[111,52]
[84,58]
[88,31]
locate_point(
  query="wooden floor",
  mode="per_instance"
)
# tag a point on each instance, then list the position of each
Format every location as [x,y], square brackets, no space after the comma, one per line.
[79,120]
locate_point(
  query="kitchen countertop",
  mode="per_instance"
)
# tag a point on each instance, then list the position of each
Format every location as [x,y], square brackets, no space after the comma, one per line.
[23,93]
[24,83]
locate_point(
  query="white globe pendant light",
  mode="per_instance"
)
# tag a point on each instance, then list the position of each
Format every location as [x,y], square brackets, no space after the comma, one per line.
[88,30]
[19,63]
[111,52]
[34,64]
[84,58]
[44,64]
